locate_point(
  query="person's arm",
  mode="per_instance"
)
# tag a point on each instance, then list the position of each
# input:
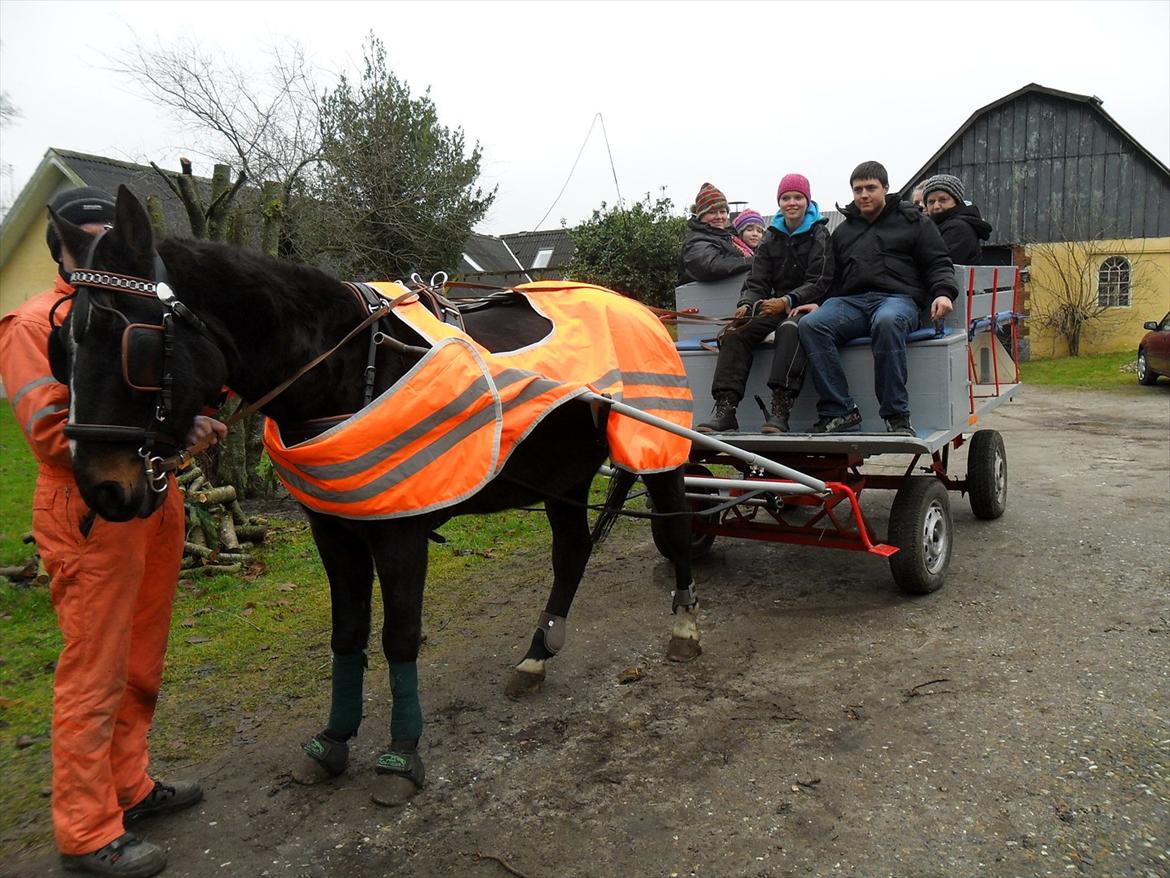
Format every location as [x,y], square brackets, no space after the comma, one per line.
[705,261]
[40,403]
[758,284]
[936,269]
[818,275]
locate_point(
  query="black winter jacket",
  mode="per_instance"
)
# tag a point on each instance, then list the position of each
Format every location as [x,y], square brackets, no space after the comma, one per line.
[800,266]
[901,252]
[708,254]
[962,228]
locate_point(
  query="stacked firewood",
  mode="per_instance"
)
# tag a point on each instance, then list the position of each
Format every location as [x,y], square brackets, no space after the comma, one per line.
[218,531]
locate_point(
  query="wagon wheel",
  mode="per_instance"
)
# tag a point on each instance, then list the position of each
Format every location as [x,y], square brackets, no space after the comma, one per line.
[987,475]
[921,528]
[700,543]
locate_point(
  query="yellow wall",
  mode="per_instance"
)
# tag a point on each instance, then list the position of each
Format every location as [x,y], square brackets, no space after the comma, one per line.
[1117,329]
[29,269]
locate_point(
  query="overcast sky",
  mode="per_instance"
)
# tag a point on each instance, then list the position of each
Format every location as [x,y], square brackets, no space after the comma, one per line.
[735,93]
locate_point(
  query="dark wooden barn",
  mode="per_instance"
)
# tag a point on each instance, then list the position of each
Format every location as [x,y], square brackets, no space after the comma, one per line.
[1049,165]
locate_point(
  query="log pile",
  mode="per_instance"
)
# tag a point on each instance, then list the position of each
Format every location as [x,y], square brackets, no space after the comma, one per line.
[218,534]
[218,531]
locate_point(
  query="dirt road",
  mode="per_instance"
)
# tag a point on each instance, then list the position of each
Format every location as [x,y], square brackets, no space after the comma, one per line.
[1016,723]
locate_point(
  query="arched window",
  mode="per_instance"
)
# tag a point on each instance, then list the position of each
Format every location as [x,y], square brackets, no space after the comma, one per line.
[1113,283]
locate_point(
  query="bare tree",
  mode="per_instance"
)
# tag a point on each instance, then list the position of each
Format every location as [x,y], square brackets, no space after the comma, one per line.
[267,126]
[8,110]
[1081,278]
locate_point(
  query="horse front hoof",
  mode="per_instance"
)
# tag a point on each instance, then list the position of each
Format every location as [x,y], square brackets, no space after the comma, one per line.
[321,759]
[683,649]
[393,790]
[523,683]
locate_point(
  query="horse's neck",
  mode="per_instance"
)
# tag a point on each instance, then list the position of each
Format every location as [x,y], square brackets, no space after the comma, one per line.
[278,321]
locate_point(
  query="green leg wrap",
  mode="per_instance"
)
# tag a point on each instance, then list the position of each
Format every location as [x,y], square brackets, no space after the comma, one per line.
[406,714]
[345,713]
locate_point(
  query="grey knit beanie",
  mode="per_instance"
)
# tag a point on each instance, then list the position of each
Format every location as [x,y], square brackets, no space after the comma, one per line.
[947,183]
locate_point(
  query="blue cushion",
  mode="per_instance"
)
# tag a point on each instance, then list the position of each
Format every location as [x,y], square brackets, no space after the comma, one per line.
[696,344]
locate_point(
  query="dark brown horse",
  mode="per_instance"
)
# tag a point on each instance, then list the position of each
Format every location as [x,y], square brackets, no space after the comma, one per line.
[234,318]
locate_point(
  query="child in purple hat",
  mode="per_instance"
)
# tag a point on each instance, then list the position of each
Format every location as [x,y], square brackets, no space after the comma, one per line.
[749,226]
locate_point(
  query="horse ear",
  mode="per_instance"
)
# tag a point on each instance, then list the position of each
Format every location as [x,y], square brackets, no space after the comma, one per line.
[73,239]
[131,225]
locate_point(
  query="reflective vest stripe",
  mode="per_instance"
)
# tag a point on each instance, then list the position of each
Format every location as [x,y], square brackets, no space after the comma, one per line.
[32,385]
[661,379]
[42,413]
[662,404]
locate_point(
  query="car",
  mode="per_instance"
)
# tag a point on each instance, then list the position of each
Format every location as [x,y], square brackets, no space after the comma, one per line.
[1153,357]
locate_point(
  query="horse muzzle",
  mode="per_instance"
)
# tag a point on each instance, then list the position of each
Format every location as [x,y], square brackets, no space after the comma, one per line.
[114,483]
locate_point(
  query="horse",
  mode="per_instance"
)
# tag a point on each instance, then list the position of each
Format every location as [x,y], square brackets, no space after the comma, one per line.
[212,316]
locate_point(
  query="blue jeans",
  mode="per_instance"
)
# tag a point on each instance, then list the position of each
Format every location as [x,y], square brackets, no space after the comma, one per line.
[887,319]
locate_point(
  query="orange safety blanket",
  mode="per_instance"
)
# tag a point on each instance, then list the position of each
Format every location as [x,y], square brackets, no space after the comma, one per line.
[448,426]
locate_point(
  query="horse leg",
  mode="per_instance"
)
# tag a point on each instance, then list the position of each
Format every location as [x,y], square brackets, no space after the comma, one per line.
[351,574]
[571,547]
[400,554]
[668,494]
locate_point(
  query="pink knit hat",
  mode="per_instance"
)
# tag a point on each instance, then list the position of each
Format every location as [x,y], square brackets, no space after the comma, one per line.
[794,183]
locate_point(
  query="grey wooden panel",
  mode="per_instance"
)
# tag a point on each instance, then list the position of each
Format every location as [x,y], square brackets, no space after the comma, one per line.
[1045,130]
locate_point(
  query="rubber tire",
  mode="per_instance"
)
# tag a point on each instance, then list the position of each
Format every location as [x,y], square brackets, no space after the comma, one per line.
[700,543]
[1145,374]
[986,467]
[920,500]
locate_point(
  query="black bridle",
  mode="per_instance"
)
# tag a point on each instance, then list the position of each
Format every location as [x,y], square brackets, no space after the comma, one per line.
[147,360]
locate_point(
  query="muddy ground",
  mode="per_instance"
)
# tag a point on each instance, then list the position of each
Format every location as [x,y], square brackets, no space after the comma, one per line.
[1015,723]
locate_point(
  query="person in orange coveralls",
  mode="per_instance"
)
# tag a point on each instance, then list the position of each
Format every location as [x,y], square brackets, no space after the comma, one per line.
[112,587]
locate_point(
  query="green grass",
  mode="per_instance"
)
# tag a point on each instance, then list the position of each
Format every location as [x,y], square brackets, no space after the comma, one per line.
[1098,372]
[18,474]
[240,649]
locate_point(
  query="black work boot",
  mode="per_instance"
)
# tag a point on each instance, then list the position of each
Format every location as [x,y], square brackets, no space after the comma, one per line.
[777,420]
[900,424]
[127,856]
[165,798]
[838,424]
[722,415]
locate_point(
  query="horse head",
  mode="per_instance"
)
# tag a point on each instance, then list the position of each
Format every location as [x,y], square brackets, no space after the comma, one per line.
[139,364]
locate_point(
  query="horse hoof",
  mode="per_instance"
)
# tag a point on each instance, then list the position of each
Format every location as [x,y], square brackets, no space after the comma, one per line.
[523,683]
[393,790]
[309,772]
[683,649]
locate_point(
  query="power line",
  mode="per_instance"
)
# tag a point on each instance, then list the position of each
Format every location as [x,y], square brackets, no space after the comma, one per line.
[584,142]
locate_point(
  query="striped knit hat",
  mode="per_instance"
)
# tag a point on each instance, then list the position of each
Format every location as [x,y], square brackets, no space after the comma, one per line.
[947,183]
[747,218]
[708,199]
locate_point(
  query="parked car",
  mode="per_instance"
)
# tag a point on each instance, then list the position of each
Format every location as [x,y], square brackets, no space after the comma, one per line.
[1154,351]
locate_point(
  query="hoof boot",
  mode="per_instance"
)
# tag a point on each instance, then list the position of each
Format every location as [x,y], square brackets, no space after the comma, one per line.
[399,778]
[322,759]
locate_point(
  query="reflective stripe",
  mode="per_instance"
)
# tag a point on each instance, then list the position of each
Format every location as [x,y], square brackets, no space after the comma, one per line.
[661,403]
[32,385]
[45,412]
[392,446]
[404,470]
[611,377]
[662,379]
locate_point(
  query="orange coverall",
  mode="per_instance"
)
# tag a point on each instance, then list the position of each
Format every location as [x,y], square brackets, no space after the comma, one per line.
[112,591]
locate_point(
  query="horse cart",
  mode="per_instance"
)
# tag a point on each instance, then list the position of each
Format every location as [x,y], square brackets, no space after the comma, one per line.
[806,488]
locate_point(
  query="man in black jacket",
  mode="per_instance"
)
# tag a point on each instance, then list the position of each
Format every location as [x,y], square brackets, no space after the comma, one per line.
[890,263]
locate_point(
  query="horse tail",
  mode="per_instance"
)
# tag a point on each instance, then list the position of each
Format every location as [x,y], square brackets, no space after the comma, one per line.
[620,484]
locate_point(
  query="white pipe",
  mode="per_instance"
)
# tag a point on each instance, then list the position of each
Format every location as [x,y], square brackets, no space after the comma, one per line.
[747,485]
[768,466]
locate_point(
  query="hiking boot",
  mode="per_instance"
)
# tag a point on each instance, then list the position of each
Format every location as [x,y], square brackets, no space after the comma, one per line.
[722,416]
[127,856]
[900,424]
[777,418]
[837,423]
[165,798]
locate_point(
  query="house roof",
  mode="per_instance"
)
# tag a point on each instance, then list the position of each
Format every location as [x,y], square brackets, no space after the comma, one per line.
[1091,101]
[63,169]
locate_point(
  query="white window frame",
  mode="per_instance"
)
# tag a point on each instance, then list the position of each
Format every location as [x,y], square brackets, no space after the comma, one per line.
[543,257]
[1114,277]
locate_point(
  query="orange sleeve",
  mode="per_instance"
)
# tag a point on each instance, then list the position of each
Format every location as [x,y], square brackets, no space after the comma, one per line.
[40,403]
